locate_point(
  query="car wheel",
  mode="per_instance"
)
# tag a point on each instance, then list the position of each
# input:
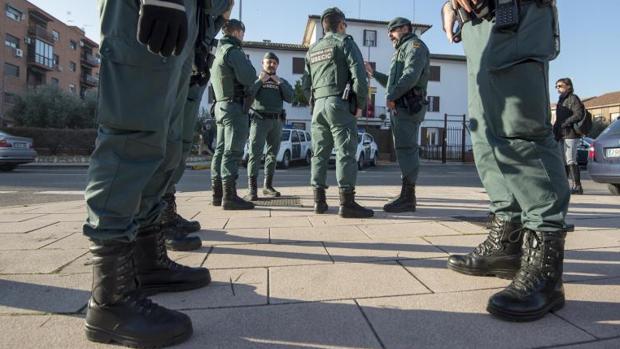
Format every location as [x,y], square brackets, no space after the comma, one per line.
[286,160]
[7,168]
[360,162]
[614,188]
[373,163]
[309,158]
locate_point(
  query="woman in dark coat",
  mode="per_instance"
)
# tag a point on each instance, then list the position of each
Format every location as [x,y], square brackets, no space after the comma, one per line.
[570,110]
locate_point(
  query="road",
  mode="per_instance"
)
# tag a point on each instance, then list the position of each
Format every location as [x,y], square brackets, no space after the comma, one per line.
[30,185]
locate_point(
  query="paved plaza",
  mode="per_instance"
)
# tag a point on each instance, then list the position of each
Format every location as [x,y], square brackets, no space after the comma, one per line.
[286,278]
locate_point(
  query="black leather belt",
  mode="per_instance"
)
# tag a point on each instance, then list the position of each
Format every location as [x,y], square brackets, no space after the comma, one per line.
[265,115]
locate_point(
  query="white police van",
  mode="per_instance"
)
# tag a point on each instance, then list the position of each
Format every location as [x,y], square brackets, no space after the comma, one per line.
[367,152]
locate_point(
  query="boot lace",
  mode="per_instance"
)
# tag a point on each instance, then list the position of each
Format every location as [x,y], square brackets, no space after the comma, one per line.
[129,287]
[162,255]
[538,263]
[493,242]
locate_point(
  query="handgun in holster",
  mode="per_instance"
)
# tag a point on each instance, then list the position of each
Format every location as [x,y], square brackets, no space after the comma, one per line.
[414,100]
[283,115]
[350,97]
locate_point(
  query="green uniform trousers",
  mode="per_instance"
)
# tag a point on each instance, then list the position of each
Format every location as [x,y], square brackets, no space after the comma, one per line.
[190,115]
[264,131]
[232,133]
[518,161]
[138,147]
[405,130]
[333,125]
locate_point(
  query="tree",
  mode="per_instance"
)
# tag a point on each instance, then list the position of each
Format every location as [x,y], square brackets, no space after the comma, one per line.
[299,98]
[50,107]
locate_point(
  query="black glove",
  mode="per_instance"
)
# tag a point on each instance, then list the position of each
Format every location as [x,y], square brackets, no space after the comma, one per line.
[162,26]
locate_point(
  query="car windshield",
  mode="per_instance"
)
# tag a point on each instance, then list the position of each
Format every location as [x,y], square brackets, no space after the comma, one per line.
[286,135]
[613,128]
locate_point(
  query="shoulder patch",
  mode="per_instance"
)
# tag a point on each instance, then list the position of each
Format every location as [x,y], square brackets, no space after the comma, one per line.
[416,44]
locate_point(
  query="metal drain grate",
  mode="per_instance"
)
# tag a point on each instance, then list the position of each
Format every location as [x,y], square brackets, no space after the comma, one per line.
[283,201]
[477,220]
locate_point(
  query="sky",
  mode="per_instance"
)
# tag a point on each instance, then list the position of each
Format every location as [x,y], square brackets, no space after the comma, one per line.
[589,55]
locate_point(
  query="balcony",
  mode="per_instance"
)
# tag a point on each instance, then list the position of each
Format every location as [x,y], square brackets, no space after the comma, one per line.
[41,32]
[89,80]
[90,60]
[41,62]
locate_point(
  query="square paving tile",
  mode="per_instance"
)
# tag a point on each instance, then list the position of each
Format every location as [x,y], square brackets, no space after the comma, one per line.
[587,239]
[597,223]
[594,306]
[73,241]
[37,261]
[310,325]
[31,294]
[600,344]
[23,227]
[266,255]
[38,238]
[268,222]
[340,281]
[456,244]
[229,288]
[414,248]
[212,237]
[592,264]
[343,233]
[388,232]
[459,320]
[17,217]
[435,275]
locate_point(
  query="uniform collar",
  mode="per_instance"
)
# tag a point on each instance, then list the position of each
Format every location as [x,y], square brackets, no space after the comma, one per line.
[227,39]
[405,39]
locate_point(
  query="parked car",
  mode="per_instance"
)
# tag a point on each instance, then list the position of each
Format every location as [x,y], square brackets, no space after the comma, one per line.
[295,145]
[604,158]
[367,151]
[15,151]
[582,151]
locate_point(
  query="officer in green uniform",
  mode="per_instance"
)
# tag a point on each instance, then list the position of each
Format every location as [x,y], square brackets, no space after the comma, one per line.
[233,76]
[335,80]
[517,158]
[406,98]
[213,16]
[270,92]
[142,90]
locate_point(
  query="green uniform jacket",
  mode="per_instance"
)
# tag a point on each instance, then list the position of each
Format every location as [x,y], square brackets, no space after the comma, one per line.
[232,72]
[270,96]
[410,68]
[331,63]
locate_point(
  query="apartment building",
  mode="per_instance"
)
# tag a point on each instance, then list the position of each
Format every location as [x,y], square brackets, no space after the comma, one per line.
[38,50]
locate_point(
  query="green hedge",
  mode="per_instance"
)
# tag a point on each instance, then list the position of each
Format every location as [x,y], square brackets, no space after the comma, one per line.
[51,141]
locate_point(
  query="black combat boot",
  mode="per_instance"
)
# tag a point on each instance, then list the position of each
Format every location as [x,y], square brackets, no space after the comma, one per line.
[268,189]
[172,218]
[218,192]
[252,194]
[351,209]
[405,202]
[537,288]
[499,255]
[576,175]
[157,272]
[119,312]
[320,201]
[231,200]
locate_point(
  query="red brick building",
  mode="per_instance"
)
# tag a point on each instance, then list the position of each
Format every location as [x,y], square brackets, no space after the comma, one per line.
[41,50]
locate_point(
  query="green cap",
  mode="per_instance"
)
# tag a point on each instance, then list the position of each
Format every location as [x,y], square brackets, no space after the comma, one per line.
[271,55]
[398,22]
[331,12]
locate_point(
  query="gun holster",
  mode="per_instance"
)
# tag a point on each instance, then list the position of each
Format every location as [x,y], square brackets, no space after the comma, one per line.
[413,101]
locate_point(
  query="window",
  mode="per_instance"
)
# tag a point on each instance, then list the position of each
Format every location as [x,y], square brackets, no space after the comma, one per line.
[72,88]
[55,35]
[299,65]
[44,53]
[295,138]
[72,66]
[286,135]
[13,13]
[73,45]
[10,98]
[433,104]
[56,60]
[11,70]
[302,136]
[435,73]
[308,137]
[11,41]
[370,38]
[55,82]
